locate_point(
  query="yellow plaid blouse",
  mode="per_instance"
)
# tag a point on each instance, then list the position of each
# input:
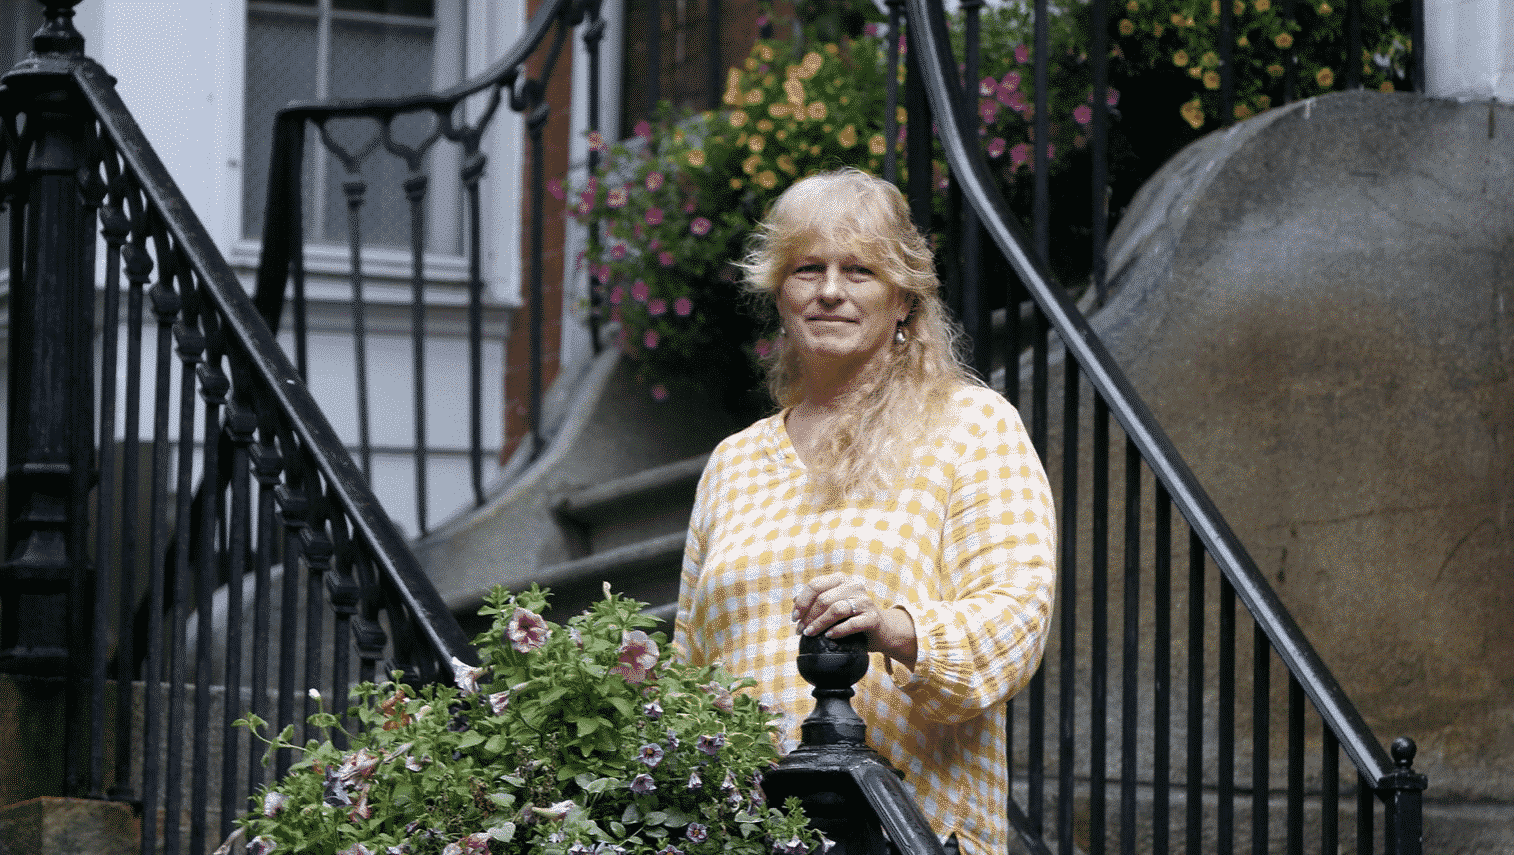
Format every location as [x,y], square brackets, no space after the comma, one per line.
[966,545]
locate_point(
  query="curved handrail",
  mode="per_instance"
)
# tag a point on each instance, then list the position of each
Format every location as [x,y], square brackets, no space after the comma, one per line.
[283,177]
[274,372]
[971,176]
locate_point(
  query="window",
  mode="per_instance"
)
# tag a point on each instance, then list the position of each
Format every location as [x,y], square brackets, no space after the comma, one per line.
[308,49]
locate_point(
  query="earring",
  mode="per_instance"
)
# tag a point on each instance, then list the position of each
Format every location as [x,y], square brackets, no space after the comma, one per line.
[899,336]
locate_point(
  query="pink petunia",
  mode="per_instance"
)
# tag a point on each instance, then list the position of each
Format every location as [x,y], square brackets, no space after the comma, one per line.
[643,129]
[585,202]
[872,30]
[654,181]
[617,294]
[466,676]
[596,141]
[654,216]
[1022,54]
[1082,114]
[1019,155]
[987,85]
[618,197]
[527,630]
[618,252]
[690,206]
[659,392]
[1112,97]
[637,655]
[650,339]
[556,189]
[988,111]
[666,259]
[763,347]
[657,308]
[1010,80]
[701,226]
[683,307]
[1005,95]
[996,147]
[1017,101]
[640,291]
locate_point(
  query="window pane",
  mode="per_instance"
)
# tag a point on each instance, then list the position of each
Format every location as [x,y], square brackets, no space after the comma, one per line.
[371,60]
[412,8]
[280,68]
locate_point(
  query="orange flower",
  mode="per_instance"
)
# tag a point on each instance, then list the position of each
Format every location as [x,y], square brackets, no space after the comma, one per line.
[1127,26]
[1283,41]
[1325,77]
[1180,58]
[1193,113]
[1211,80]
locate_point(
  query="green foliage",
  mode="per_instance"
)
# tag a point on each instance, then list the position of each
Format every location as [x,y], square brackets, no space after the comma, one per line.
[584,739]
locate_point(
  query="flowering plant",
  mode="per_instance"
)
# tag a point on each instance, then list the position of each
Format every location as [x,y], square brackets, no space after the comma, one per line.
[584,739]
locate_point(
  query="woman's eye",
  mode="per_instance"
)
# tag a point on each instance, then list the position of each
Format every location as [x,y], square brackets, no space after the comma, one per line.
[857,271]
[807,270]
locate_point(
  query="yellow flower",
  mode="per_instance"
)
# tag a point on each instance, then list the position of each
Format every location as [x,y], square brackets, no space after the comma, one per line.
[827,128]
[1385,86]
[786,163]
[1193,113]
[757,144]
[750,165]
[815,150]
[1263,5]
[1133,6]
[848,136]
[1127,26]
[678,136]
[1263,101]
[1243,42]
[738,118]
[1211,80]
[811,64]
[1157,30]
[1239,8]
[1209,60]
[736,183]
[765,126]
[1195,72]
[817,111]
[766,52]
[1283,41]
[795,92]
[750,64]
[781,135]
[1242,111]
[695,157]
[876,145]
[1324,9]
[1180,58]
[731,98]
[767,179]
[1275,70]
[845,99]
[831,48]
[779,109]
[1324,77]
[1214,7]
[754,96]
[1177,20]
[901,115]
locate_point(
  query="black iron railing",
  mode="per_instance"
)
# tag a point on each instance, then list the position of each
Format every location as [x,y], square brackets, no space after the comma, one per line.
[366,137]
[174,610]
[1153,582]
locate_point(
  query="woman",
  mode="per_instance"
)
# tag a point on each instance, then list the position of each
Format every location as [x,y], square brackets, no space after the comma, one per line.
[892,495]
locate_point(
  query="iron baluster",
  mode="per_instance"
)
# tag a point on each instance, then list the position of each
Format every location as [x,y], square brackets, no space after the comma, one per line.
[1353,59]
[1161,714]
[1330,791]
[241,428]
[593,35]
[355,190]
[1402,792]
[415,195]
[1130,652]
[1067,585]
[1225,726]
[474,162]
[1195,774]
[1098,692]
[292,509]
[1261,737]
[1295,825]
[267,467]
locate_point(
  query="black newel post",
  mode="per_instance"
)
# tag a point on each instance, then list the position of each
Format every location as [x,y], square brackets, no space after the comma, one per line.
[44,610]
[850,793]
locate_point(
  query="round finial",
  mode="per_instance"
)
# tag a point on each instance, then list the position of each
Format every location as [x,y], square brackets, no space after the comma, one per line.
[1403,751]
[832,663]
[57,34]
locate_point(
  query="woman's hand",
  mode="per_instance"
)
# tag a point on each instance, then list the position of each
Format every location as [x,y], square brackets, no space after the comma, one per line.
[838,605]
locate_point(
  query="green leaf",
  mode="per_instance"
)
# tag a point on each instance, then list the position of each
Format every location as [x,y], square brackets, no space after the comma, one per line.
[470,739]
[587,725]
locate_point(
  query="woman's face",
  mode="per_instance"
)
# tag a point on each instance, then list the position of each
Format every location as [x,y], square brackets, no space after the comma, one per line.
[836,311]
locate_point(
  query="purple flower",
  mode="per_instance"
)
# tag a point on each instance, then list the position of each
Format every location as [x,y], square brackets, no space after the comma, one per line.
[649,340]
[643,784]
[683,307]
[650,754]
[988,111]
[596,141]
[585,201]
[872,29]
[555,188]
[695,782]
[476,843]
[653,711]
[672,739]
[643,129]
[1019,155]
[466,676]
[1005,95]
[499,702]
[640,291]
[1082,114]
[654,216]
[711,745]
[792,846]
[619,252]
[659,393]
[617,294]
[720,696]
[638,652]
[654,181]
[657,308]
[1112,97]
[996,147]
[701,226]
[670,849]
[666,259]
[696,833]
[987,85]
[273,802]
[1022,54]
[261,845]
[527,630]
[763,348]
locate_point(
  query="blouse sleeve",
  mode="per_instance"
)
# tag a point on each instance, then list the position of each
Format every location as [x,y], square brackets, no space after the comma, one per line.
[982,642]
[693,559]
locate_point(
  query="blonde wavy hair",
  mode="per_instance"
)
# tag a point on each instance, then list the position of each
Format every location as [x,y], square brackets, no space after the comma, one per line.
[893,411]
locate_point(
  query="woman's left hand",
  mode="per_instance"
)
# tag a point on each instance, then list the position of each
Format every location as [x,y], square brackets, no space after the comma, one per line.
[838,605]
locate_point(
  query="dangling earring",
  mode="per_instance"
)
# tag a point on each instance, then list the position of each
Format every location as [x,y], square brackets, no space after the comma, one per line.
[899,336]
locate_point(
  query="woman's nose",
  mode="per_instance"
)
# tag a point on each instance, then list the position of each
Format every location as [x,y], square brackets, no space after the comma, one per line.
[830,285]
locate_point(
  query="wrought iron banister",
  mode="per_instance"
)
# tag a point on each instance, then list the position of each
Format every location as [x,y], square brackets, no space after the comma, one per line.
[333,594]
[460,119]
[1086,359]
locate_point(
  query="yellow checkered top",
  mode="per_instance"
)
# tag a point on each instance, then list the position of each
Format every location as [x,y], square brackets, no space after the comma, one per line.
[965,544]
